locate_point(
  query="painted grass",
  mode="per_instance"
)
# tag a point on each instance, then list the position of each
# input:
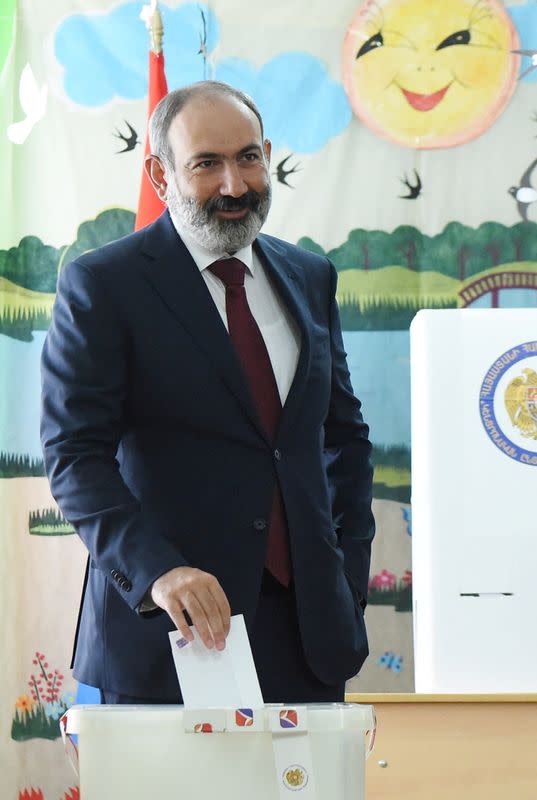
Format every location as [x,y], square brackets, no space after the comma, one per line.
[52,530]
[395,286]
[391,476]
[34,725]
[15,300]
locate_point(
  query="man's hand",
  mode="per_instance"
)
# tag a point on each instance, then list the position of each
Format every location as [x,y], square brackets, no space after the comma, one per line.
[199,593]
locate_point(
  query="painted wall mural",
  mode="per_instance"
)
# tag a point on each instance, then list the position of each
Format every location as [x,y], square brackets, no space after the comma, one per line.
[365,171]
[430,74]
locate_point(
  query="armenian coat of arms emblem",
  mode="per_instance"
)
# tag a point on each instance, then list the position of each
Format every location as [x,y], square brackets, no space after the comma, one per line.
[521,403]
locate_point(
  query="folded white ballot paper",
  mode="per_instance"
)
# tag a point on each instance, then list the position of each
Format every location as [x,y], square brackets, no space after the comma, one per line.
[217,678]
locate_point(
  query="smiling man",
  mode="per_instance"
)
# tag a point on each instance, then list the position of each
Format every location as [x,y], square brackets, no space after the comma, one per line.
[218,196]
[200,430]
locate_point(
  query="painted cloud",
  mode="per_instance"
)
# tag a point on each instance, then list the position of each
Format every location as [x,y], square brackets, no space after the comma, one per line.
[104,56]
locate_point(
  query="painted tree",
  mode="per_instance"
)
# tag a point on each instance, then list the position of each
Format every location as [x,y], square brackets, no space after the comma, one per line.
[408,244]
[106,227]
[496,242]
[363,250]
[32,264]
[309,244]
[524,239]
[451,251]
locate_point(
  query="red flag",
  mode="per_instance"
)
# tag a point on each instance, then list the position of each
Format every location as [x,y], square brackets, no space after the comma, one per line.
[149,204]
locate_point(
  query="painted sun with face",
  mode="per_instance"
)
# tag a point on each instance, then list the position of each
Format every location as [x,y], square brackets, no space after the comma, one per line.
[430,73]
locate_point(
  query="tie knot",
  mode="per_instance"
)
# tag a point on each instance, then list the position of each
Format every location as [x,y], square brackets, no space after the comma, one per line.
[230,271]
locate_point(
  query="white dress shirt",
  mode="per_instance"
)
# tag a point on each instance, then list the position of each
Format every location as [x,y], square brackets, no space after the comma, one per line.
[278,329]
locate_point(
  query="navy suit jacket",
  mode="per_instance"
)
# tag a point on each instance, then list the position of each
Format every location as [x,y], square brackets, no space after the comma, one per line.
[155,454]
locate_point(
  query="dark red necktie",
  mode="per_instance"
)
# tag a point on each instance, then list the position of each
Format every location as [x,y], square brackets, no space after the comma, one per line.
[253,355]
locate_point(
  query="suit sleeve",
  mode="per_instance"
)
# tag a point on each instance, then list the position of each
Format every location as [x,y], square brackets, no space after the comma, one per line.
[348,465]
[84,371]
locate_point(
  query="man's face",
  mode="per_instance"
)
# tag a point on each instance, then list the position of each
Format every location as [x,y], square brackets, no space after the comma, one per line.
[220,188]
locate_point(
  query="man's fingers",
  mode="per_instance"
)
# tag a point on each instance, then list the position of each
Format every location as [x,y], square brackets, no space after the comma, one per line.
[218,619]
[180,622]
[201,596]
[223,610]
[200,620]
[222,602]
[209,618]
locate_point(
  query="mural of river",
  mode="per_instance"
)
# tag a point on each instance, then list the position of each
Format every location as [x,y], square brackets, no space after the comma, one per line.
[19,408]
[379,362]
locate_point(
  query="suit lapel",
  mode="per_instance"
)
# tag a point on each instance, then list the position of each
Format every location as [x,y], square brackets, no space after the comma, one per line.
[175,277]
[287,278]
[177,280]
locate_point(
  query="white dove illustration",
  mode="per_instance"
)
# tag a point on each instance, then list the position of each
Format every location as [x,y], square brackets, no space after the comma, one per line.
[33,100]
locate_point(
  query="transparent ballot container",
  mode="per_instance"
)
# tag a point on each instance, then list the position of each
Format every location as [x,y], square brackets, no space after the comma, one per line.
[149,752]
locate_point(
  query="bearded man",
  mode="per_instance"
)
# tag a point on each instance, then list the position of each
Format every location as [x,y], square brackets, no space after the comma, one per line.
[200,430]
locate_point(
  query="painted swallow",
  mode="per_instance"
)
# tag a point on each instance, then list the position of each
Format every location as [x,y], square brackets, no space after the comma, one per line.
[525,194]
[413,189]
[531,54]
[282,173]
[131,141]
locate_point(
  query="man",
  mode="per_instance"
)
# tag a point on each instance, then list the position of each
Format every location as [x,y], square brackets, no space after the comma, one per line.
[200,430]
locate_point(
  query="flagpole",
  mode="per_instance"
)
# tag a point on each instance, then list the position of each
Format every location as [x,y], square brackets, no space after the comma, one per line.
[149,204]
[156,31]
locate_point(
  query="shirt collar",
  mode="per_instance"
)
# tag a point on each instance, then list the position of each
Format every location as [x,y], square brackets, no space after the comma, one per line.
[203,258]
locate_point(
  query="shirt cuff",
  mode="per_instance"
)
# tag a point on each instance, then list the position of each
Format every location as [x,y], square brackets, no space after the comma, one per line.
[147,603]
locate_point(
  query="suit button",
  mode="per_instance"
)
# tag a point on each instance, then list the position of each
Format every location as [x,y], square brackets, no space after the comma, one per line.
[114,573]
[260,524]
[126,585]
[278,455]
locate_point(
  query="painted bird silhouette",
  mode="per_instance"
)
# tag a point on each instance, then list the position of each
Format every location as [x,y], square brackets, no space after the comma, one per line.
[33,100]
[282,173]
[525,194]
[532,55]
[130,141]
[414,189]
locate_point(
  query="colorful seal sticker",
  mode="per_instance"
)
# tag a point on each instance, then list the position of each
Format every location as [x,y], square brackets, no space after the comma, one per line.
[430,73]
[508,403]
[244,717]
[203,727]
[295,778]
[288,718]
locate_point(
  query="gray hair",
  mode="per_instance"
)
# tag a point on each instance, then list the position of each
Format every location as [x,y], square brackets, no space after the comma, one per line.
[174,102]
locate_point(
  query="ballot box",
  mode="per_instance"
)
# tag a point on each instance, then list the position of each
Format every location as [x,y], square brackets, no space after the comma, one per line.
[152,752]
[474,490]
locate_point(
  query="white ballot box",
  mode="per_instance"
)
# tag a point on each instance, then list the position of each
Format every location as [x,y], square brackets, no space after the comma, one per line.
[150,752]
[474,498]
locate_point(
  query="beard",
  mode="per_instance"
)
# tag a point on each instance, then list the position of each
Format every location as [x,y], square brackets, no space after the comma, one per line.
[214,234]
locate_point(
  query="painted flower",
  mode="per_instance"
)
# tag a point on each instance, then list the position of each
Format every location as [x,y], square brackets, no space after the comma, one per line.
[384,580]
[407,577]
[67,699]
[31,794]
[24,703]
[72,794]
[54,710]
